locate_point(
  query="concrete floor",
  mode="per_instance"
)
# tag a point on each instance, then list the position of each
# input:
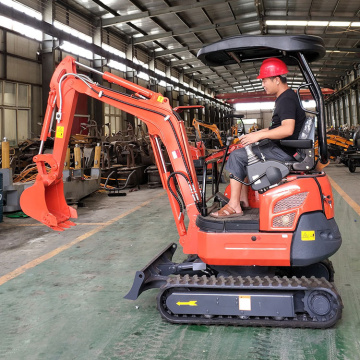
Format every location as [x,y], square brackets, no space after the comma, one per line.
[62,292]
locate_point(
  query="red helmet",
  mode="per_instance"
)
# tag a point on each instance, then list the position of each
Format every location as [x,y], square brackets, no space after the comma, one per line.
[272,67]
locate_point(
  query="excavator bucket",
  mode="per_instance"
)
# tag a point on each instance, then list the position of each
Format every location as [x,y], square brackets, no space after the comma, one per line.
[47,204]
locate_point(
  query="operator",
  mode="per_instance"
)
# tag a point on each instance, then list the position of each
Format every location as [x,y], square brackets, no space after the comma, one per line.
[286,123]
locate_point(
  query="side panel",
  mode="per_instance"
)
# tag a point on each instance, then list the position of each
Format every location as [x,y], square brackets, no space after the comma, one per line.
[281,207]
[315,239]
[245,249]
[328,196]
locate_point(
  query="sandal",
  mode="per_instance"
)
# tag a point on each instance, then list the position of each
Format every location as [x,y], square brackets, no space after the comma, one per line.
[226,212]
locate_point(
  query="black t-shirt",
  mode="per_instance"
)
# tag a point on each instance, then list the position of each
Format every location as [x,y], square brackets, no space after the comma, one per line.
[287,106]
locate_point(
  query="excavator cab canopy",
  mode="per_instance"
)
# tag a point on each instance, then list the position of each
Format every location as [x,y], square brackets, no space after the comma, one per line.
[292,49]
[245,48]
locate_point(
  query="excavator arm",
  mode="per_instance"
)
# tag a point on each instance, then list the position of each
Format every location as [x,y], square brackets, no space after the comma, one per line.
[212,127]
[45,200]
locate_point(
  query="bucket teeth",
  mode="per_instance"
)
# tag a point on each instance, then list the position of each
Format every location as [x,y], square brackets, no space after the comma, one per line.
[69,223]
[57,228]
[65,225]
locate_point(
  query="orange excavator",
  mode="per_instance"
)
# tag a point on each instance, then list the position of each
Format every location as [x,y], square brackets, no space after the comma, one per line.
[212,127]
[269,267]
[336,145]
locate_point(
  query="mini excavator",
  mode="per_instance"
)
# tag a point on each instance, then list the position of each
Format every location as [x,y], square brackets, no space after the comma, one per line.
[267,268]
[212,127]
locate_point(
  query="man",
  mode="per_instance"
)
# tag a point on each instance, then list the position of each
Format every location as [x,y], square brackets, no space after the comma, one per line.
[287,121]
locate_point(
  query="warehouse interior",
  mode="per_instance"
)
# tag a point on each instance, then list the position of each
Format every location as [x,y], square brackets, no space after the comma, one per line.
[73,247]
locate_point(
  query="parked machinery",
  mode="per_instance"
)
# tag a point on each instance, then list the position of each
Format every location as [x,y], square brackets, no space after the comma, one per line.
[336,146]
[209,139]
[351,155]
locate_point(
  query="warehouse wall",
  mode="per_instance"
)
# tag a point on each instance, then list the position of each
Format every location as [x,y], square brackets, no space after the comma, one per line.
[19,65]
[343,106]
[2,56]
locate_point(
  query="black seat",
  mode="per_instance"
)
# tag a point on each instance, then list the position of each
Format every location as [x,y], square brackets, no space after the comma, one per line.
[264,174]
[305,154]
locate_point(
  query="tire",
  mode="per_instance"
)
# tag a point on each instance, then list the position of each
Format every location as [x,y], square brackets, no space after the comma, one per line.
[352,166]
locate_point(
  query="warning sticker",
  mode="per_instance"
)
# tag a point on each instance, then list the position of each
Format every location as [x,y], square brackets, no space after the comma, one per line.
[308,235]
[175,154]
[59,132]
[160,99]
[245,303]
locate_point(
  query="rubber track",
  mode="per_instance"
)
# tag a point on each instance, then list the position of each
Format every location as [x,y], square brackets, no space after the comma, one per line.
[253,283]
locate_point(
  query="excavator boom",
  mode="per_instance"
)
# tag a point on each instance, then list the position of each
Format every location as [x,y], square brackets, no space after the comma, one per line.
[164,126]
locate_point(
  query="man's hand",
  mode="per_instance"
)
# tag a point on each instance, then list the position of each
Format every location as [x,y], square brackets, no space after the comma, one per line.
[284,130]
[251,138]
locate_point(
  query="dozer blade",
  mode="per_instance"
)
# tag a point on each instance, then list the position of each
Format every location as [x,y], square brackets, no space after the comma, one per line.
[47,204]
[154,274]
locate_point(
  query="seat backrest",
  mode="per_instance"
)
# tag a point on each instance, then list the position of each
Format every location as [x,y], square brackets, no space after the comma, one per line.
[305,156]
[308,129]
[307,132]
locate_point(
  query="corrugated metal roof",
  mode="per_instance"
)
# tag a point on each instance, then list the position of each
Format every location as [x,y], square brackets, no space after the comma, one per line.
[174,31]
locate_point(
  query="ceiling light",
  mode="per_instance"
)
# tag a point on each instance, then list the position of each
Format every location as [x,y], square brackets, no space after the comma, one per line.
[339,23]
[296,23]
[318,23]
[288,23]
[310,23]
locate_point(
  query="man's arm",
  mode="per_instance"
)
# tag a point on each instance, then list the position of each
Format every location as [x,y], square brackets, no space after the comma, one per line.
[263,130]
[286,129]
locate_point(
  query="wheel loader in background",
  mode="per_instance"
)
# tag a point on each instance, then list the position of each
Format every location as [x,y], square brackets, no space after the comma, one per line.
[267,268]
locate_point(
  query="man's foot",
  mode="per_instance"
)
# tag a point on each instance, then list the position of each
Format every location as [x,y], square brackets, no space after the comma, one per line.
[226,212]
[244,205]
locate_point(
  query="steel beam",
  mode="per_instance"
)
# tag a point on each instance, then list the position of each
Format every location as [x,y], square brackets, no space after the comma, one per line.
[163,11]
[239,21]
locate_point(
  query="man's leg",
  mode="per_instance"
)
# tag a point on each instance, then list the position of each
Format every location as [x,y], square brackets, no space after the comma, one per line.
[235,165]
[236,195]
[244,199]
[234,201]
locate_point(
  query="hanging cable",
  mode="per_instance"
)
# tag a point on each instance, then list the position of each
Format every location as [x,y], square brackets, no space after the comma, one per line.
[178,197]
[191,182]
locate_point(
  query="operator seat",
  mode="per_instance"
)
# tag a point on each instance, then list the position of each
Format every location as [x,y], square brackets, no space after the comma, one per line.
[272,171]
[304,157]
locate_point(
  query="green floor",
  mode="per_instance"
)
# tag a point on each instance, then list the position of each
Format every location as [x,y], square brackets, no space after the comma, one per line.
[71,306]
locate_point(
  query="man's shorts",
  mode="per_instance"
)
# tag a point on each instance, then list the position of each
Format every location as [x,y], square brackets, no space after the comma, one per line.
[238,159]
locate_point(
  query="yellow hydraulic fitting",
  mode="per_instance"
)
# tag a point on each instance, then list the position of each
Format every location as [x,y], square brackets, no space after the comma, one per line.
[97,156]
[67,159]
[77,157]
[5,153]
